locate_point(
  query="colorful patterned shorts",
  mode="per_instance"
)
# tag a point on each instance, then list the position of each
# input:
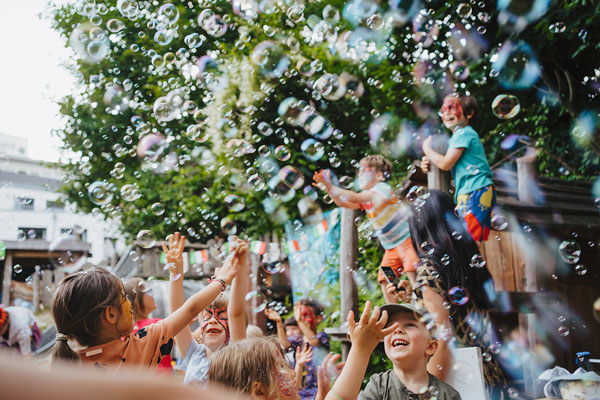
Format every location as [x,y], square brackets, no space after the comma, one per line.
[476,210]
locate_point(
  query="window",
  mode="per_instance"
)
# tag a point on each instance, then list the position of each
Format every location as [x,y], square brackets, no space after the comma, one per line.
[32,233]
[54,205]
[72,232]
[24,203]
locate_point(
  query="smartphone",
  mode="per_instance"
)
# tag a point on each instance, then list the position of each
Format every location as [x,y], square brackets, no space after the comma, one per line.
[390,275]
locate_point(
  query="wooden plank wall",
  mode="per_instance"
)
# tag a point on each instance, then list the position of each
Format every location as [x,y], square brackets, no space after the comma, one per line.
[504,261]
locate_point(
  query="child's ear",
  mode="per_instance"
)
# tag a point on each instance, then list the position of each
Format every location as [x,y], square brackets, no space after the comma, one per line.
[111,315]
[431,347]
[257,391]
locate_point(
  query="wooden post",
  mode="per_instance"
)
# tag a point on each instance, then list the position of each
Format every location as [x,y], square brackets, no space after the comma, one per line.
[348,257]
[35,284]
[46,287]
[436,178]
[7,278]
[526,191]
[526,183]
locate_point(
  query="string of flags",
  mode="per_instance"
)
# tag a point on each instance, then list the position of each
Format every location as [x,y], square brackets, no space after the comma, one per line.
[259,247]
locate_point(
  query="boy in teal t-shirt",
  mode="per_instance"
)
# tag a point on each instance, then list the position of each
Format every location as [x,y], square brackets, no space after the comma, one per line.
[475,194]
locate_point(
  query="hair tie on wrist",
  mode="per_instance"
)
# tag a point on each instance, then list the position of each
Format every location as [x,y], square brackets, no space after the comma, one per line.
[61,337]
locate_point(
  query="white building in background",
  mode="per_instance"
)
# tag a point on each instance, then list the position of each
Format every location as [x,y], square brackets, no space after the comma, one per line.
[30,207]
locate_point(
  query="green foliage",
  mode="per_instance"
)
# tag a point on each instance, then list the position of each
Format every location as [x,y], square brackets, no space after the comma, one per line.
[203,166]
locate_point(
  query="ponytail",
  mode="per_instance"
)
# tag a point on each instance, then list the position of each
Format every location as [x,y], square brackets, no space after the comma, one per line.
[77,308]
[63,352]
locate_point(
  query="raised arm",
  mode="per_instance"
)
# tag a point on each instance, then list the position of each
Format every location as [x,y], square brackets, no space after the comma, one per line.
[182,315]
[341,197]
[174,257]
[236,309]
[275,317]
[364,336]
[439,363]
[444,162]
[309,333]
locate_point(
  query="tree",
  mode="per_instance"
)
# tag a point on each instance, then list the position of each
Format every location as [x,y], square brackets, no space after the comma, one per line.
[210,117]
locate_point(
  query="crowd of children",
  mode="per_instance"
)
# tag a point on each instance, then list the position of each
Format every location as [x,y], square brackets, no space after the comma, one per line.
[104,322]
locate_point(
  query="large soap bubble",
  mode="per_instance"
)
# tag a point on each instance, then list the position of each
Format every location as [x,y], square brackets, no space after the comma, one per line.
[516,65]
[270,58]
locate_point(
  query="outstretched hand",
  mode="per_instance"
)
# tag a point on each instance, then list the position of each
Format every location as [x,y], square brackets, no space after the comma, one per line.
[370,329]
[322,179]
[272,315]
[304,355]
[174,253]
[231,266]
[402,292]
[327,372]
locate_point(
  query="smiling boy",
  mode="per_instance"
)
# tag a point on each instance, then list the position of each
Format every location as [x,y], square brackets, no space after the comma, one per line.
[475,195]
[387,214]
[409,347]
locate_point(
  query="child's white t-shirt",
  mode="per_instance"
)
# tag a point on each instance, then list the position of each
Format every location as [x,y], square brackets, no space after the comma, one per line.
[195,363]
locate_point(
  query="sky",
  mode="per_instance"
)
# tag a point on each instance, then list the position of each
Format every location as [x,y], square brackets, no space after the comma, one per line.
[31,76]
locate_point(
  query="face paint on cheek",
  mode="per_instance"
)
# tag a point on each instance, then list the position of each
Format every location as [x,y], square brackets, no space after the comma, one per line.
[307,315]
[286,384]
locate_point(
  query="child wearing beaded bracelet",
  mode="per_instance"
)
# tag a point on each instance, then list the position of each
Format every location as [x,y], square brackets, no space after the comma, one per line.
[214,331]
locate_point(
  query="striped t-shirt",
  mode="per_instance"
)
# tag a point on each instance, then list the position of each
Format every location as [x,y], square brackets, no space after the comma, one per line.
[389,218]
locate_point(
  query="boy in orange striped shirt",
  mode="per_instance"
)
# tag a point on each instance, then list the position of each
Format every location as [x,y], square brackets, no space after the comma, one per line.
[386,213]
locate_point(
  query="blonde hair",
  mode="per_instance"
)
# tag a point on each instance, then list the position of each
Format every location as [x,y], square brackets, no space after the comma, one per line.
[243,363]
[379,164]
[253,331]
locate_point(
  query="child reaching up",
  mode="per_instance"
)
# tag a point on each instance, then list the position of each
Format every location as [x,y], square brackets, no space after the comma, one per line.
[385,211]
[474,194]
[91,308]
[215,328]
[408,345]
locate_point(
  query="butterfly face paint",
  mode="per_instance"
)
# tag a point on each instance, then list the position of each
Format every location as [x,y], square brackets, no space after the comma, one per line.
[220,316]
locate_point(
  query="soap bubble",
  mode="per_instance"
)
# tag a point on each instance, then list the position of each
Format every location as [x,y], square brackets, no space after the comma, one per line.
[312,149]
[515,14]
[130,192]
[100,193]
[17,269]
[505,106]
[318,126]
[228,226]
[62,256]
[580,269]
[387,135]
[291,176]
[456,235]
[264,128]
[294,111]
[426,30]
[215,26]
[247,9]
[146,238]
[234,203]
[151,147]
[458,296]
[256,301]
[477,261]
[169,12]
[464,10]
[282,153]
[563,331]
[273,268]
[445,259]
[157,209]
[115,25]
[569,251]
[459,70]
[427,248]
[270,58]
[499,222]
[516,65]
[115,99]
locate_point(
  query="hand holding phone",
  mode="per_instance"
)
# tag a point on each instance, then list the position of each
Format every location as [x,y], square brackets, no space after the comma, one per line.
[390,275]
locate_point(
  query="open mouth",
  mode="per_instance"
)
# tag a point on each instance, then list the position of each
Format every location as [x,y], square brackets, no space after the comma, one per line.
[399,342]
[213,331]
